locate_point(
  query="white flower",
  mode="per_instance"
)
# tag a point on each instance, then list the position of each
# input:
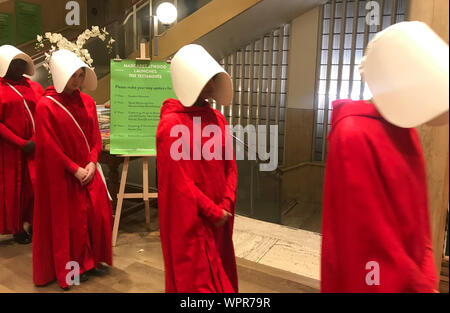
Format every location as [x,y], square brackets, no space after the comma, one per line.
[57,41]
[54,38]
[80,40]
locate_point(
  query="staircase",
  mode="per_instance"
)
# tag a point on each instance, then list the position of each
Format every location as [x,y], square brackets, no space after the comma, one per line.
[221,26]
[224,26]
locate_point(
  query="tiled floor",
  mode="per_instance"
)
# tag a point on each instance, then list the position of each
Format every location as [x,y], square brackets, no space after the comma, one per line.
[282,247]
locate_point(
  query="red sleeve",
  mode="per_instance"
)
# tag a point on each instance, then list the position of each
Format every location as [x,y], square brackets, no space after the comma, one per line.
[45,136]
[360,225]
[9,136]
[229,199]
[70,166]
[178,174]
[96,138]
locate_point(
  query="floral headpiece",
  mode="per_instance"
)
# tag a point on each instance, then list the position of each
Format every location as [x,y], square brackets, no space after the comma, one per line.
[58,41]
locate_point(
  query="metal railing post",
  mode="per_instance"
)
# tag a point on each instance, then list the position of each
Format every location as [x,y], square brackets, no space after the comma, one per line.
[150,29]
[135,28]
[175,3]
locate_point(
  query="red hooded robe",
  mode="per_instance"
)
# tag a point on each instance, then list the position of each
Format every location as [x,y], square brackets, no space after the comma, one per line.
[16,169]
[198,256]
[72,222]
[375,206]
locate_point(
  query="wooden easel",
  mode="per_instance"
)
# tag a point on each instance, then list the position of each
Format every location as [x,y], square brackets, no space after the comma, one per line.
[145,195]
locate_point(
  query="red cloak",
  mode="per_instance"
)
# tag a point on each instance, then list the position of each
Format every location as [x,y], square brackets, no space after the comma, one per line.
[375,206]
[71,222]
[16,169]
[198,256]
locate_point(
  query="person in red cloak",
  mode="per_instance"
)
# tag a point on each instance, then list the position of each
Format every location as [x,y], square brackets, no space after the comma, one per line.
[375,206]
[376,228]
[73,215]
[196,197]
[18,98]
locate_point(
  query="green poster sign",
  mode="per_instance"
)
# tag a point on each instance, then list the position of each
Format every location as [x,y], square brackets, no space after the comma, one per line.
[138,89]
[7,35]
[28,21]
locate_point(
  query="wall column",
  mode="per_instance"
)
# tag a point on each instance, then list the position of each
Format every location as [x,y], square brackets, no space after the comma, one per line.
[435,140]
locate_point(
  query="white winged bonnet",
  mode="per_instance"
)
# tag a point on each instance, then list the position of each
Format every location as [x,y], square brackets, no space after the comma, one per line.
[192,68]
[406,68]
[63,64]
[8,54]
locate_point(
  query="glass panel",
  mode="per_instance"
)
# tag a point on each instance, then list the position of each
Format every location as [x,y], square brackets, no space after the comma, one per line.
[346,72]
[348,41]
[337,25]
[336,41]
[326,26]
[344,89]
[335,58]
[325,39]
[334,72]
[323,72]
[359,41]
[283,100]
[350,9]
[324,58]
[321,104]
[338,10]
[347,56]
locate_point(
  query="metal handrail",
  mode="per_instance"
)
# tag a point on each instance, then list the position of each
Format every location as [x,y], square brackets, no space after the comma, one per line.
[276,172]
[144,3]
[130,9]
[299,165]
